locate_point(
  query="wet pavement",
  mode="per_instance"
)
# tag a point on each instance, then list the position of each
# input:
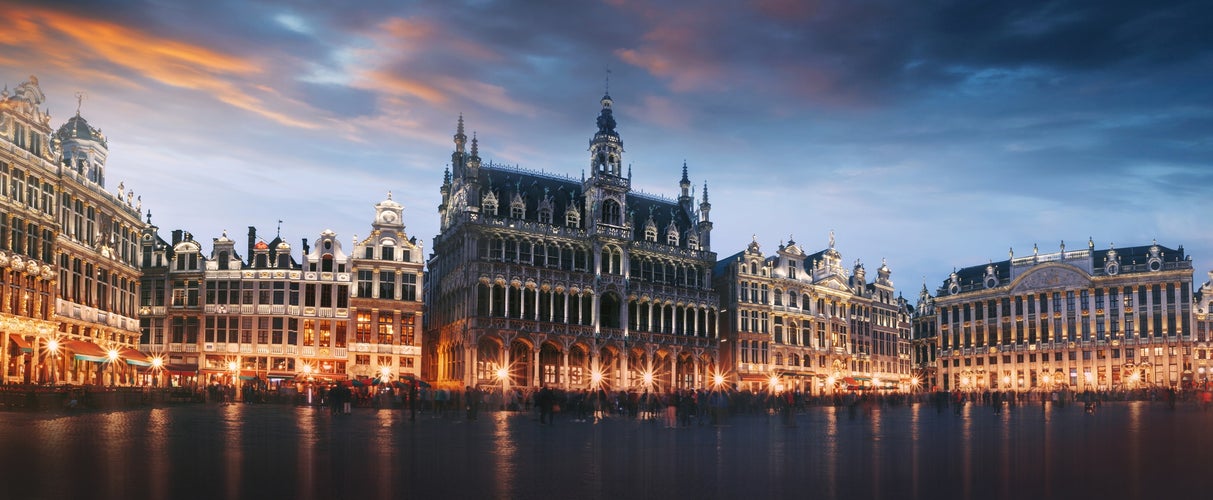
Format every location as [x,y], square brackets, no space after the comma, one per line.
[1125,450]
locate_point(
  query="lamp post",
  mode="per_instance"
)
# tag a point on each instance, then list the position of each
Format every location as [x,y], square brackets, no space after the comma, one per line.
[52,347]
[234,367]
[307,376]
[110,357]
[157,368]
[503,376]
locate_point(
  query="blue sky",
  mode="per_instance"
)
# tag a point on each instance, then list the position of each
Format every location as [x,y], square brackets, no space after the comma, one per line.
[932,134]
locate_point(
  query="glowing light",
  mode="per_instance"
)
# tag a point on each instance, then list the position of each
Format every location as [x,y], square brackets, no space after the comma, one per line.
[596,378]
[876,382]
[307,369]
[53,345]
[231,365]
[648,378]
[831,380]
[157,362]
[1006,380]
[1044,378]
[914,381]
[112,355]
[774,380]
[1134,377]
[718,380]
[964,380]
[502,373]
[385,372]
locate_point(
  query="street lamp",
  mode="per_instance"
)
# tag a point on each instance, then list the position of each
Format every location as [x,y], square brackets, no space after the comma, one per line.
[157,367]
[307,375]
[53,347]
[503,375]
[110,357]
[233,367]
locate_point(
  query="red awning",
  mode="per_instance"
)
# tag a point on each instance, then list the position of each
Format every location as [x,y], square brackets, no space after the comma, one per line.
[23,344]
[86,351]
[134,357]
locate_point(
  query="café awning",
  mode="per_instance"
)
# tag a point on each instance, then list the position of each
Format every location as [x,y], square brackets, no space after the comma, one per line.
[23,344]
[85,351]
[134,357]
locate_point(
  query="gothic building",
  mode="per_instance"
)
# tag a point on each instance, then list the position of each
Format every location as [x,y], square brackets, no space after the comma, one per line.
[1080,319]
[543,279]
[925,341]
[802,322]
[222,317]
[68,248]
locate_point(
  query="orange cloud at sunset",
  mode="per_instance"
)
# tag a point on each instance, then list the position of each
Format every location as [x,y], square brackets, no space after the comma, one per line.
[79,45]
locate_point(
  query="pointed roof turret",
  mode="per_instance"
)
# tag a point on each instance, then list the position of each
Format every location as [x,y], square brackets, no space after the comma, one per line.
[606,149]
[460,137]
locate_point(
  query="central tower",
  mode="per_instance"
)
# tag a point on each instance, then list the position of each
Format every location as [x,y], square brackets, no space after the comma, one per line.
[606,191]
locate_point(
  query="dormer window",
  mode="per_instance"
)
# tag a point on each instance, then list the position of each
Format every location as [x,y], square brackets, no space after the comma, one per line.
[671,238]
[572,217]
[518,207]
[388,253]
[368,252]
[284,260]
[693,242]
[545,215]
[489,204]
[650,233]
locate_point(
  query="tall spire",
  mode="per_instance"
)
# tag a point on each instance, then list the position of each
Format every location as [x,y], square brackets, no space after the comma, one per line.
[685,185]
[460,137]
[475,146]
[606,149]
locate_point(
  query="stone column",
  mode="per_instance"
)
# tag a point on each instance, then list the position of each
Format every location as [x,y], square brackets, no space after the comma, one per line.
[535,380]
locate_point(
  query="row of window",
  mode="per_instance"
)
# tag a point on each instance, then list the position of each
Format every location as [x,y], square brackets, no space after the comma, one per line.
[82,282]
[1118,298]
[1067,330]
[26,189]
[24,295]
[280,330]
[26,238]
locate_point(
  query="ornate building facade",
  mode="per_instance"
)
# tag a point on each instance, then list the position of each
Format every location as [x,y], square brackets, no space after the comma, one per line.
[1077,319]
[801,322]
[925,341]
[542,279]
[217,318]
[1202,312]
[70,308]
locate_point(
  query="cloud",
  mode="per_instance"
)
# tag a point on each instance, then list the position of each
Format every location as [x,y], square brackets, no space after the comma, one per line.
[83,46]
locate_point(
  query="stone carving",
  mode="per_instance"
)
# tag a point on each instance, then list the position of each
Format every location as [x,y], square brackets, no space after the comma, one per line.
[1052,277]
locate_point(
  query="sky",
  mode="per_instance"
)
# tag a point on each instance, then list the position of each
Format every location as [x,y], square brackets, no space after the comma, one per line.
[934,135]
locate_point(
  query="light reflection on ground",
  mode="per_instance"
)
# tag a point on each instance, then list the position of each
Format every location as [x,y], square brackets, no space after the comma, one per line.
[1125,450]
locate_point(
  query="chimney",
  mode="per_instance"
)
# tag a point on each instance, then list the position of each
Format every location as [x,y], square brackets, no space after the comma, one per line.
[176,236]
[252,240]
[306,250]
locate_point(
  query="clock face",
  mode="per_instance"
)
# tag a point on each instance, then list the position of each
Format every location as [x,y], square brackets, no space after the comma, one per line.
[388,217]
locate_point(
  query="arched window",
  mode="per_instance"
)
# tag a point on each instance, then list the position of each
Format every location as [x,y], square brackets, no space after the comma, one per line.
[611,213]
